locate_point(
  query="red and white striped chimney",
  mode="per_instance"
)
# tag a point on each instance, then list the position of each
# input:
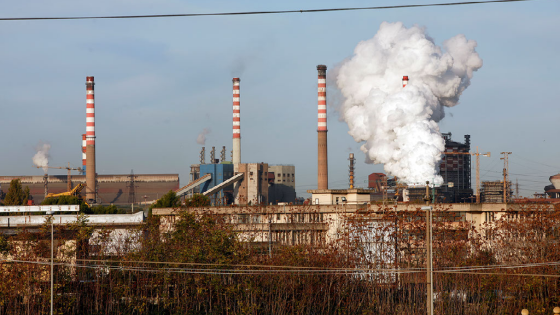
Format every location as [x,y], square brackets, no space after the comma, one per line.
[84,152]
[404,80]
[236,158]
[90,141]
[322,158]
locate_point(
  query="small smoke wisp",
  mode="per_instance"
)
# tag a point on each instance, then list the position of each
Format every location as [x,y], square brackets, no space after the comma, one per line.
[201,139]
[399,126]
[41,158]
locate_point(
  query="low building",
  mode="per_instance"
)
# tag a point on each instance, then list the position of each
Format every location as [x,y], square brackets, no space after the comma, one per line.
[356,196]
[282,183]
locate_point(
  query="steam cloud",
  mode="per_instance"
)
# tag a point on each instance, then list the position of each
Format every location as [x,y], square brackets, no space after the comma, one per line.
[41,158]
[399,125]
[201,139]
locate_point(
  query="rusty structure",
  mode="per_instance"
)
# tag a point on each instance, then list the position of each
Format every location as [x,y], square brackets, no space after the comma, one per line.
[493,191]
[455,168]
[91,182]
[351,171]
[322,156]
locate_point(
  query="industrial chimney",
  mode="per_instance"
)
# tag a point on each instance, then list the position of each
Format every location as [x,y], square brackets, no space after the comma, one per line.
[90,141]
[351,171]
[236,157]
[323,169]
[404,80]
[84,153]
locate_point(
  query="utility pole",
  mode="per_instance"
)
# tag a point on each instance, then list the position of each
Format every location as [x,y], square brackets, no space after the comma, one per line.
[429,271]
[516,189]
[477,154]
[506,166]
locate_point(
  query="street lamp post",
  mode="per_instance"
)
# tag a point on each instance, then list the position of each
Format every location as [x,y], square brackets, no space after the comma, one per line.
[52,257]
[429,259]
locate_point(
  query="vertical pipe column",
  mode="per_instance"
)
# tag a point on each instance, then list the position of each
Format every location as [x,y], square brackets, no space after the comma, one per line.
[236,158]
[90,140]
[404,81]
[322,157]
[84,153]
[351,171]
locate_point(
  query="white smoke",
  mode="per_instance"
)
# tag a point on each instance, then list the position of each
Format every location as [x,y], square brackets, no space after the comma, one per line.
[41,158]
[399,125]
[201,139]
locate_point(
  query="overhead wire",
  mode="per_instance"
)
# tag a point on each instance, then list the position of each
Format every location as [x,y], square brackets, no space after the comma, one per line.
[254,12]
[319,271]
[528,160]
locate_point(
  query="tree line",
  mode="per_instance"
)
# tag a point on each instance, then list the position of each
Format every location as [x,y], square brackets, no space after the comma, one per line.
[200,265]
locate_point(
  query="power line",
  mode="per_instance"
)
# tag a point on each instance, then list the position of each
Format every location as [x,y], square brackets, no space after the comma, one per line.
[252,12]
[528,160]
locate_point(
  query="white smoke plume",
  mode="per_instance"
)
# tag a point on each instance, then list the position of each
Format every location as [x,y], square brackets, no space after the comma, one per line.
[201,139]
[399,125]
[41,158]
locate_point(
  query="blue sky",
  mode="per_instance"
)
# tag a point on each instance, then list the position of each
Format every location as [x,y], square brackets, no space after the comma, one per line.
[160,82]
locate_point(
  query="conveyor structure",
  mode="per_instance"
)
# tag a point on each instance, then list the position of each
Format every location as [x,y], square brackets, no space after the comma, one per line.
[185,189]
[222,185]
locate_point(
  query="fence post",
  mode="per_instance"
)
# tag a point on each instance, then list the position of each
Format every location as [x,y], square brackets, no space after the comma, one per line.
[556,310]
[524,312]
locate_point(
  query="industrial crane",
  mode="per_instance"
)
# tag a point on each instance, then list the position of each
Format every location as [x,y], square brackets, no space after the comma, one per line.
[69,181]
[477,154]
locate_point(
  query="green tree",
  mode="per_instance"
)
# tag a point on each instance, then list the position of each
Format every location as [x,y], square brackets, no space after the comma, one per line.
[168,200]
[195,239]
[197,200]
[16,195]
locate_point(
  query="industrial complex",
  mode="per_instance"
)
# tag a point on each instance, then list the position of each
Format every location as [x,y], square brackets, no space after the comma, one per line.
[237,182]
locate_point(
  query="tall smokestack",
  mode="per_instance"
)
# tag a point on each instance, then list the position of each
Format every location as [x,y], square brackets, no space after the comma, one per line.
[351,171]
[84,153]
[323,169]
[90,140]
[236,158]
[404,80]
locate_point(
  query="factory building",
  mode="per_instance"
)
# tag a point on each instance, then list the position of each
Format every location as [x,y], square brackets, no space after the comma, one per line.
[219,174]
[455,168]
[111,189]
[493,191]
[281,183]
[252,189]
[553,191]
[376,181]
